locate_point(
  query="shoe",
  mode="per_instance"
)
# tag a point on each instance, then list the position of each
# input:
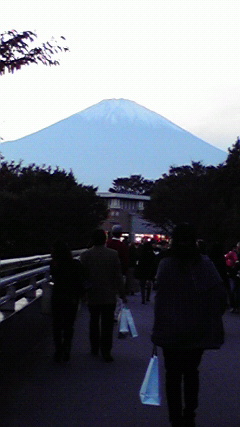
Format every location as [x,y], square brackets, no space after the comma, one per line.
[122,335]
[66,349]
[189,419]
[108,358]
[188,423]
[57,356]
[66,356]
[178,423]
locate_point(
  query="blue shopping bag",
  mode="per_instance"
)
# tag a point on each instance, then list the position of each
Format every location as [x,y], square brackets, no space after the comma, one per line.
[123,322]
[131,324]
[150,389]
[126,323]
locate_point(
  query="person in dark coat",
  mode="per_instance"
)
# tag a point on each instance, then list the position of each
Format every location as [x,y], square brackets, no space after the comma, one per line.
[132,283]
[189,305]
[145,269]
[105,281]
[68,277]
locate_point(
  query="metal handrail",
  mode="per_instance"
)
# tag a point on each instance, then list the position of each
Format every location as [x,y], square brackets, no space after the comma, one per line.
[9,264]
[29,292]
[12,283]
[24,259]
[22,276]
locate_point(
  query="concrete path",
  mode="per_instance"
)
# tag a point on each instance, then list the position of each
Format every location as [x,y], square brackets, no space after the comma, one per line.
[88,392]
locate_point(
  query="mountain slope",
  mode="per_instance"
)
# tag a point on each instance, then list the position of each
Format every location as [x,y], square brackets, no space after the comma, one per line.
[111,139]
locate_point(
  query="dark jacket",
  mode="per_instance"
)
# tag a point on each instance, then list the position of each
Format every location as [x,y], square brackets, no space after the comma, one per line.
[104,276]
[145,268]
[68,281]
[189,305]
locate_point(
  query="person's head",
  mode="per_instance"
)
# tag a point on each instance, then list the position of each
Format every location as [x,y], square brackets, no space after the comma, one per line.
[184,241]
[117,230]
[98,237]
[61,252]
[147,246]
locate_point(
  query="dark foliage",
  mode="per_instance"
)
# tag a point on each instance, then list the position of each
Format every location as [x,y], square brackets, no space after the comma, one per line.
[135,184]
[15,51]
[39,205]
[206,196]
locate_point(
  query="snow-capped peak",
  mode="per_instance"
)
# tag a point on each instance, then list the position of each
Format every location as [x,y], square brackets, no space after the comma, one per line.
[115,110]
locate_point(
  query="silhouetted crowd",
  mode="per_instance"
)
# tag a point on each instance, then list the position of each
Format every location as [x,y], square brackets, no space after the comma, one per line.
[191,285]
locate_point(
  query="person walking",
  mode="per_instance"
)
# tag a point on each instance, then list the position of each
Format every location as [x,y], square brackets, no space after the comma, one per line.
[121,247]
[232,263]
[145,271]
[189,305]
[115,242]
[68,277]
[104,282]
[132,283]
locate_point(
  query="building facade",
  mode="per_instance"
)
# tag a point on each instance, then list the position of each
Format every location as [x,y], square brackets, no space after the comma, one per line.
[127,210]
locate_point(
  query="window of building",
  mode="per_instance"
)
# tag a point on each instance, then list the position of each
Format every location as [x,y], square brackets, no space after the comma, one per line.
[115,203]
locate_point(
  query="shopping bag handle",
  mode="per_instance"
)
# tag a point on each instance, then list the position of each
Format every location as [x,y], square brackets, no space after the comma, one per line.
[154,351]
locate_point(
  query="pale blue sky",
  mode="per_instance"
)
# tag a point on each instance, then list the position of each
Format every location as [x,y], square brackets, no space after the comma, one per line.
[179,58]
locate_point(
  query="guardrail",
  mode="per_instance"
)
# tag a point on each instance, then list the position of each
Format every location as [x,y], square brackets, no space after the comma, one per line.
[37,279]
[19,289]
[9,265]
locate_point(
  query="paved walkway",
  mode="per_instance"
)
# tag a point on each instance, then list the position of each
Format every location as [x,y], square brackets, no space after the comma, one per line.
[88,392]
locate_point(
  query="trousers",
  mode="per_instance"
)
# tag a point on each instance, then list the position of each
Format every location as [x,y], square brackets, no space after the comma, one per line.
[101,327]
[64,315]
[182,375]
[146,286]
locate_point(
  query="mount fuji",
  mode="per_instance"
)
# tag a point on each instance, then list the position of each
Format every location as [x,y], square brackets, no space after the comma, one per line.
[114,138]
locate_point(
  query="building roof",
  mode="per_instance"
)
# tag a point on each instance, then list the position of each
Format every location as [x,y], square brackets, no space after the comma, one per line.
[110,195]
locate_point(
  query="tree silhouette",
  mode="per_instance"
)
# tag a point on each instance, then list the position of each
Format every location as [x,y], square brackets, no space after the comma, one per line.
[206,196]
[39,205]
[15,51]
[135,184]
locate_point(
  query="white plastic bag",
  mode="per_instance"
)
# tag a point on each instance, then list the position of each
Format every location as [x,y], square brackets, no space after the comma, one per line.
[150,389]
[126,323]
[131,324]
[123,322]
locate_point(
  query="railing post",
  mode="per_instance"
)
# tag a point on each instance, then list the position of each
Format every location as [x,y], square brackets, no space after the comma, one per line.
[9,305]
[32,293]
[46,294]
